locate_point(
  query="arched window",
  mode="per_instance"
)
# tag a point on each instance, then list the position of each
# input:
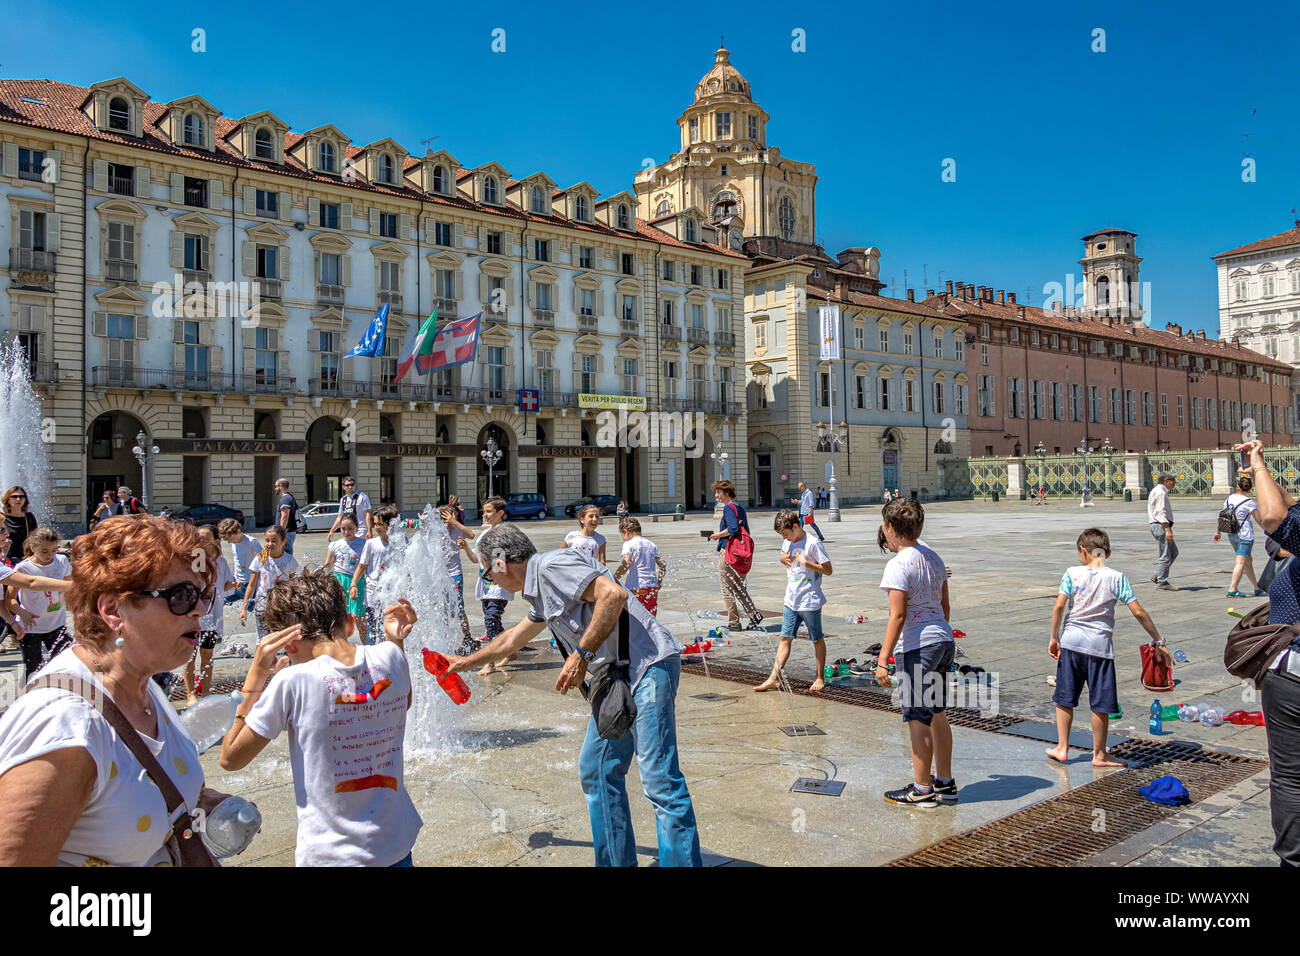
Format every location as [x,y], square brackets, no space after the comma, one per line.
[193,129]
[724,206]
[1103,291]
[489,189]
[326,155]
[787,218]
[119,114]
[580,208]
[665,207]
[623,221]
[439,179]
[690,230]
[263,146]
[385,168]
[538,200]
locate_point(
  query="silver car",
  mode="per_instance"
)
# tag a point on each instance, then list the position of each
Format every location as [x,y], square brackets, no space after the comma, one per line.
[317,516]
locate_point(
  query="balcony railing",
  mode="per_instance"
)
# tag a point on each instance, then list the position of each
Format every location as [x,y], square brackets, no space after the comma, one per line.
[327,295]
[122,185]
[29,171]
[697,336]
[543,319]
[629,327]
[549,398]
[450,309]
[120,270]
[394,300]
[588,323]
[263,383]
[32,260]
[726,340]
[268,288]
[191,276]
[670,333]
[340,387]
[44,372]
[125,376]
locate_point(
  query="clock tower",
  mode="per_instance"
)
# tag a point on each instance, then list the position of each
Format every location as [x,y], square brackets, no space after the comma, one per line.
[758,199]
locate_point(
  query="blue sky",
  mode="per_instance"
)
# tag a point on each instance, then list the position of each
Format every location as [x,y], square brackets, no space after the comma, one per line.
[1051,140]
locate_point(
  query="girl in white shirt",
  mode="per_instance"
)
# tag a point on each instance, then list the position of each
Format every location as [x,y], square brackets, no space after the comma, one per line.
[1244,540]
[272,565]
[585,540]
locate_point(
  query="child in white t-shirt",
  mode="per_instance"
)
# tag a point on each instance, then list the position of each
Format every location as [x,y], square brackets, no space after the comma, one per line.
[372,565]
[344,557]
[47,635]
[586,540]
[916,582]
[1084,648]
[642,564]
[272,565]
[211,628]
[805,561]
[244,548]
[344,708]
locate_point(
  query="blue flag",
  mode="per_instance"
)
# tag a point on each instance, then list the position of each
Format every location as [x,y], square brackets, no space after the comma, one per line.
[372,343]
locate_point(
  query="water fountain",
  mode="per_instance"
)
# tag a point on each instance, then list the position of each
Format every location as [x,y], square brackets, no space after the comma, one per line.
[23,459]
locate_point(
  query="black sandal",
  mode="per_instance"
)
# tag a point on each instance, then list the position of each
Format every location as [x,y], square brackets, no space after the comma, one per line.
[873,649]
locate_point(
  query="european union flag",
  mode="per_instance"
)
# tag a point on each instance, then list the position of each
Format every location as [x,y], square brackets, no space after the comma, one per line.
[372,343]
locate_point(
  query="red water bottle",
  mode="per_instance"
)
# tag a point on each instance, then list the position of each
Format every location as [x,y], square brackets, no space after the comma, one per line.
[455,687]
[1255,717]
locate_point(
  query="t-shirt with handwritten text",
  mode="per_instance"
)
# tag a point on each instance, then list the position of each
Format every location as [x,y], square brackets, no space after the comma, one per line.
[346,726]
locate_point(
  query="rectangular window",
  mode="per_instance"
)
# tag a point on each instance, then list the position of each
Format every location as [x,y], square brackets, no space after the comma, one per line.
[907,343]
[196,253]
[1039,409]
[984,395]
[959,347]
[1130,407]
[1058,401]
[938,398]
[1076,403]
[859,336]
[1148,409]
[884,340]
[938,346]
[1164,410]
[545,300]
[629,308]
[695,129]
[628,262]
[753,126]
[722,125]
[584,257]
[1094,403]
[884,394]
[825,390]
[909,390]
[1211,410]
[695,275]
[268,204]
[697,316]
[329,215]
[542,250]
[861,382]
[760,335]
[494,244]
[984,330]
[266,366]
[121,177]
[724,278]
[959,399]
[268,262]
[196,192]
[667,270]
[330,268]
[442,233]
[1033,337]
[388,225]
[670,370]
[1196,412]
[587,374]
[1015,334]
[1115,410]
[1180,411]
[667,312]
[1017,397]
[586,302]
[984,355]
[121,242]
[390,278]
[31,163]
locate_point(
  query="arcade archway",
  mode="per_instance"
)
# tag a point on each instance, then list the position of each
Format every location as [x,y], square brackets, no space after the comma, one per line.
[327,460]
[109,462]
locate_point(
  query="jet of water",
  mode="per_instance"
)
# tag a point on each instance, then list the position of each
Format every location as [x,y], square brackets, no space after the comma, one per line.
[23,452]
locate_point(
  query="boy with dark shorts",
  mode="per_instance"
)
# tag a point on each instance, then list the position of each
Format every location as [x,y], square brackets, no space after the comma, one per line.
[1084,648]
[917,584]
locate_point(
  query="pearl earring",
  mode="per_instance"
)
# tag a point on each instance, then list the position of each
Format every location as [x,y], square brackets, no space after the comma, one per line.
[119,642]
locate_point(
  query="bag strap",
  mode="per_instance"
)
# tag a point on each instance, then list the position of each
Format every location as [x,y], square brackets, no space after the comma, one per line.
[624,629]
[100,700]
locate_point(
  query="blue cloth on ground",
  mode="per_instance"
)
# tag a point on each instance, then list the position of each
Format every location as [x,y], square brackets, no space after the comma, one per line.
[1167,790]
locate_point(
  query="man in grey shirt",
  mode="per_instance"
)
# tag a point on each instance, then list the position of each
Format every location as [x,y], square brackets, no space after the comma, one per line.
[582,604]
[1160,518]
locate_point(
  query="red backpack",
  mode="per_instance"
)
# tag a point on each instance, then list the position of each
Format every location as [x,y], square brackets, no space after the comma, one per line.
[740,548]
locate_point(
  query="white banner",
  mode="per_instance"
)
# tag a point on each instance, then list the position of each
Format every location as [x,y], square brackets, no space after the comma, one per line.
[830,323]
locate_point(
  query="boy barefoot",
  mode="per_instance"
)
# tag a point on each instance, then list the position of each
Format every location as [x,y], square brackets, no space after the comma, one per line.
[917,584]
[805,561]
[641,562]
[1084,649]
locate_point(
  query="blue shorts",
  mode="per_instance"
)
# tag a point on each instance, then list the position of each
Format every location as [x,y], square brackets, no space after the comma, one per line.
[1240,545]
[1075,669]
[459,581]
[790,619]
[923,680]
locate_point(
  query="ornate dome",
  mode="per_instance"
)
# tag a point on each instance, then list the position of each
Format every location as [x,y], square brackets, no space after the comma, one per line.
[722,79]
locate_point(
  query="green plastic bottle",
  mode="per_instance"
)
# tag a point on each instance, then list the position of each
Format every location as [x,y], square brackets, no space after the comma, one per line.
[1116,716]
[1170,712]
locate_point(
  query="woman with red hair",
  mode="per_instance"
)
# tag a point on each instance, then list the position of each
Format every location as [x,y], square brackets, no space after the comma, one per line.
[73,792]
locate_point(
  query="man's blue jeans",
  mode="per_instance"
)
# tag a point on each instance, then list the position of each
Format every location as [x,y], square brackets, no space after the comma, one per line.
[603,766]
[288,544]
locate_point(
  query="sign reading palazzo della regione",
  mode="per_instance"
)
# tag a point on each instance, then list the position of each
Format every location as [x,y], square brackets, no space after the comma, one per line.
[231,446]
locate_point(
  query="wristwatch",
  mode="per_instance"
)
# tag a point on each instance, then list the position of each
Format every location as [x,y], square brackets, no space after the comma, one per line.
[587,656]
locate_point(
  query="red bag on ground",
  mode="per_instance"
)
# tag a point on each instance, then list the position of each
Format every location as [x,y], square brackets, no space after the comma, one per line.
[1156,674]
[740,548]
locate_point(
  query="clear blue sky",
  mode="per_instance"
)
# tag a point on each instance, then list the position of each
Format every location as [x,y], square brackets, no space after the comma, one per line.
[1051,140]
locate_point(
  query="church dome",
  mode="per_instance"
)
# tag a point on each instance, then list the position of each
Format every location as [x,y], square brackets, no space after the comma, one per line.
[722,79]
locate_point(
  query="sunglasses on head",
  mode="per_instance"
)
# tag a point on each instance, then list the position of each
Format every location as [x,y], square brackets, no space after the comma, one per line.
[181,598]
[485,575]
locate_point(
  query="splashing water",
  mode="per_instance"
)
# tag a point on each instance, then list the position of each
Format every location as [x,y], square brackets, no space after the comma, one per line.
[23,461]
[416,569]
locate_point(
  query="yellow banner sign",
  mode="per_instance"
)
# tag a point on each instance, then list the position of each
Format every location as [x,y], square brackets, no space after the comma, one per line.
[631,402]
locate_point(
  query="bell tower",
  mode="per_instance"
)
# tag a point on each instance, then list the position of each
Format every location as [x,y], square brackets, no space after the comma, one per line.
[1110,275]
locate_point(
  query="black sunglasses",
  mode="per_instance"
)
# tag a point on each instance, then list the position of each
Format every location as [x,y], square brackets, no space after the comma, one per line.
[181,598]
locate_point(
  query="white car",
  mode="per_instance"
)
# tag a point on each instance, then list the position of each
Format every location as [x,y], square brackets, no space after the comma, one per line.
[317,516]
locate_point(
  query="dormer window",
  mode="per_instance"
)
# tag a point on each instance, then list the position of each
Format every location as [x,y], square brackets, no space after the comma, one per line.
[119,114]
[624,222]
[580,208]
[690,230]
[489,189]
[263,144]
[385,168]
[325,156]
[539,205]
[193,129]
[440,179]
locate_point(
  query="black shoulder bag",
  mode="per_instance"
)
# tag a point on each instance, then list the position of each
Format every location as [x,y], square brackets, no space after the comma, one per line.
[610,695]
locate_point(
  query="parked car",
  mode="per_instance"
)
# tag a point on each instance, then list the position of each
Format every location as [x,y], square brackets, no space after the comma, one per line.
[608,504]
[317,516]
[208,515]
[524,505]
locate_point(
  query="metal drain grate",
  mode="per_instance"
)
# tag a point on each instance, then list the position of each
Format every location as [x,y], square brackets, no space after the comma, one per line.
[220,686]
[873,698]
[1068,829]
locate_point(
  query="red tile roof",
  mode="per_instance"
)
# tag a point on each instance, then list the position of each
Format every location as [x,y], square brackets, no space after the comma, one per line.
[976,311]
[1289,238]
[61,109]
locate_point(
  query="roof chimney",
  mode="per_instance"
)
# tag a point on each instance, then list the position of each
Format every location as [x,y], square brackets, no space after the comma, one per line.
[1020,311]
[988,293]
[1011,298]
[911,296]
[929,293]
[949,284]
[1002,297]
[970,290]
[963,292]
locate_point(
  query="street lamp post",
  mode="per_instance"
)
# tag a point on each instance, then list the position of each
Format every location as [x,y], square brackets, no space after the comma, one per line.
[720,460]
[490,456]
[143,452]
[833,437]
[1040,487]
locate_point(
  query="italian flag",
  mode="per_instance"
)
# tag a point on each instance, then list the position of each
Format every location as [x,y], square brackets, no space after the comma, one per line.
[422,346]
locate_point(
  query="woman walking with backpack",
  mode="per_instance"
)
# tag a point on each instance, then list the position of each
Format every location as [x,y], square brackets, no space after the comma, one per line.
[1237,521]
[737,549]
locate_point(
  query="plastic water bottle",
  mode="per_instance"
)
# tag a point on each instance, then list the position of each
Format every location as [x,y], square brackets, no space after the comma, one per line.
[230,828]
[856,619]
[1189,713]
[1245,718]
[208,721]
[1156,725]
[1210,717]
[1180,657]
[709,615]
[1169,712]
[719,635]
[453,684]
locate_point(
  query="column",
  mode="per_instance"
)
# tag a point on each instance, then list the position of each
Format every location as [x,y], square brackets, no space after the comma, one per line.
[1016,478]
